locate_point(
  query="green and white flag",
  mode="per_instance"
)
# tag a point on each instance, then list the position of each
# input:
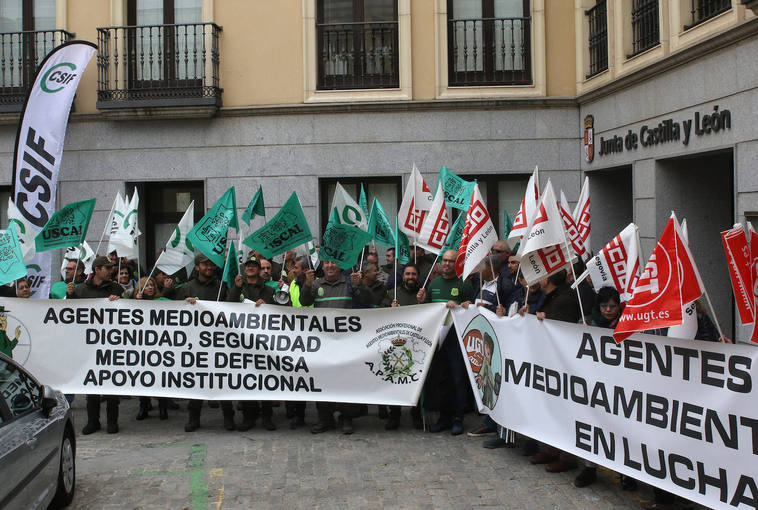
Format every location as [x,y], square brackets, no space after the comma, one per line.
[123,229]
[83,255]
[179,252]
[362,202]
[232,267]
[67,227]
[24,230]
[402,246]
[507,225]
[12,265]
[348,211]
[255,207]
[457,190]
[342,244]
[453,241]
[379,226]
[285,231]
[208,236]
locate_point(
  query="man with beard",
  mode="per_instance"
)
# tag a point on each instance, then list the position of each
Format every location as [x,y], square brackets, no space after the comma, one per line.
[252,287]
[371,292]
[204,286]
[331,291]
[295,411]
[266,274]
[453,291]
[407,294]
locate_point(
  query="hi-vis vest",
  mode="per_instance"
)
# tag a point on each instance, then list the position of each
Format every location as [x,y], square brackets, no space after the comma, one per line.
[295,296]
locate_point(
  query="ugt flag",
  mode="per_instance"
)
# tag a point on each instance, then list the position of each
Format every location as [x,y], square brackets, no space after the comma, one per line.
[209,235]
[39,145]
[738,260]
[436,226]
[618,264]
[478,237]
[286,230]
[67,227]
[342,243]
[417,199]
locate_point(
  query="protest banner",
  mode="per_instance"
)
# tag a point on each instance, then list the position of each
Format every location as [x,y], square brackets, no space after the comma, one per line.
[676,414]
[39,145]
[227,351]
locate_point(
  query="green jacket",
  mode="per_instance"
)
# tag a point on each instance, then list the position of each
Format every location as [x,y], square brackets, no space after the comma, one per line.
[327,294]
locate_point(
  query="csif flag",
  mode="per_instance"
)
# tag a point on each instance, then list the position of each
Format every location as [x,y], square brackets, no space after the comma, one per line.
[417,200]
[67,227]
[82,254]
[479,235]
[179,252]
[285,231]
[39,145]
[209,235]
[124,233]
[348,211]
[24,231]
[436,226]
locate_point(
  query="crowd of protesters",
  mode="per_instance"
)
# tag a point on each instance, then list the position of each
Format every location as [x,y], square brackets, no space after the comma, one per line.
[497,286]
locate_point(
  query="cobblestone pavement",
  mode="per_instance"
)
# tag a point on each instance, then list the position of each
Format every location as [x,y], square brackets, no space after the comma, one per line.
[155,464]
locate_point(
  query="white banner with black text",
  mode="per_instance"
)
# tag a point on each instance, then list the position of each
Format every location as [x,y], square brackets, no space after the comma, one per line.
[213,350]
[677,414]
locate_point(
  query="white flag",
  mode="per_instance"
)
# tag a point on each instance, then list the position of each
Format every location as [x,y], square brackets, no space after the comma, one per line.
[417,200]
[571,231]
[24,231]
[436,226]
[83,254]
[528,206]
[543,248]
[348,210]
[478,237]
[582,214]
[124,239]
[117,216]
[179,252]
[619,264]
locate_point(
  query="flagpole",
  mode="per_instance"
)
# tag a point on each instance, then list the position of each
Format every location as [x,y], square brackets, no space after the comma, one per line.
[138,262]
[395,275]
[146,280]
[431,270]
[107,224]
[578,296]
[226,259]
[713,312]
[492,268]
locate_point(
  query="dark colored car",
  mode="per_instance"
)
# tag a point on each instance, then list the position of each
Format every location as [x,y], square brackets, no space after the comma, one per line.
[37,442]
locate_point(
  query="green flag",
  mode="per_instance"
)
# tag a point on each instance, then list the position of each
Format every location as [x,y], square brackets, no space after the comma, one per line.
[209,234]
[231,268]
[12,265]
[507,225]
[457,190]
[453,241]
[255,207]
[379,227]
[362,202]
[66,227]
[287,229]
[402,247]
[342,243]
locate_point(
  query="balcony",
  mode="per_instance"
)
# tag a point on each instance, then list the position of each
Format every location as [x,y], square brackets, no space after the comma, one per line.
[20,55]
[154,66]
[703,10]
[489,51]
[645,26]
[598,38]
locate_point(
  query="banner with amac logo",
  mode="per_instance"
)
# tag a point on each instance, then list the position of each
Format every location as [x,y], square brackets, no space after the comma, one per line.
[213,350]
[681,415]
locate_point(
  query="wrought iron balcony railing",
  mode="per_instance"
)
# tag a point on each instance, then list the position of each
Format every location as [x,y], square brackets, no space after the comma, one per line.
[598,38]
[489,51]
[703,10]
[645,26]
[357,55]
[20,55]
[158,65]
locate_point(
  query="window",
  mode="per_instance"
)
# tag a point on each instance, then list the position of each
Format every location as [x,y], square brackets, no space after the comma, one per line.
[702,10]
[502,194]
[357,44]
[598,38]
[20,392]
[489,42]
[645,26]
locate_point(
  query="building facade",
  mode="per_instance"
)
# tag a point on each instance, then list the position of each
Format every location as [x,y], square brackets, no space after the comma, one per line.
[188,97]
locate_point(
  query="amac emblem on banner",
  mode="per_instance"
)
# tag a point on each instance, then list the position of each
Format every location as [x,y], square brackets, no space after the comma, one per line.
[589,136]
[400,359]
[483,355]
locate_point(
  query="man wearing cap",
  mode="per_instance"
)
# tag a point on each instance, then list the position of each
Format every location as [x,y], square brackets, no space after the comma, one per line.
[204,286]
[253,288]
[99,285]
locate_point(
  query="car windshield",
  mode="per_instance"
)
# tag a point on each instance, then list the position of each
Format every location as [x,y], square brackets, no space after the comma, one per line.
[18,390]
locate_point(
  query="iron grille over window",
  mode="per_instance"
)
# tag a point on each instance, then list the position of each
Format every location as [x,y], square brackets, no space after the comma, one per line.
[357,44]
[598,40]
[489,43]
[20,55]
[705,9]
[158,65]
[645,28]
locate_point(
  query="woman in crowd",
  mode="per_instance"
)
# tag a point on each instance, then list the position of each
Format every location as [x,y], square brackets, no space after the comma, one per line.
[126,280]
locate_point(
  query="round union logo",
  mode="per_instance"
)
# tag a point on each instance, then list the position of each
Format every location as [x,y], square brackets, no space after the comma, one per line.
[57,77]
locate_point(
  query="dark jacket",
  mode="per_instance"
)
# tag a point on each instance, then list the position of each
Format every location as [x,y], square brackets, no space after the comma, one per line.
[404,296]
[327,294]
[207,291]
[562,305]
[251,291]
[88,289]
[374,296]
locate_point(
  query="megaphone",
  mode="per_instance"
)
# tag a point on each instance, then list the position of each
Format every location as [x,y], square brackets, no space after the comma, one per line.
[282,296]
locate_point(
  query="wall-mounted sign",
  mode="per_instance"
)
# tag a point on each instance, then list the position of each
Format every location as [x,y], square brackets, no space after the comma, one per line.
[666,131]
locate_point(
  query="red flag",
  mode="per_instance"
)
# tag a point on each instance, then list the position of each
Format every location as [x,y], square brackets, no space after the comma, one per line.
[657,298]
[689,277]
[738,260]
[572,232]
[478,237]
[754,276]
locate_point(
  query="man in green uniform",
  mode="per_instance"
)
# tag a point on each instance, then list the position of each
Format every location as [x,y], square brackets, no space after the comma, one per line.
[450,289]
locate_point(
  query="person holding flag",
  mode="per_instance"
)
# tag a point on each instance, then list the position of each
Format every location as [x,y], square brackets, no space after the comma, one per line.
[252,287]
[450,289]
